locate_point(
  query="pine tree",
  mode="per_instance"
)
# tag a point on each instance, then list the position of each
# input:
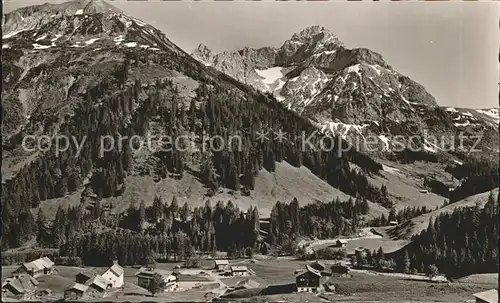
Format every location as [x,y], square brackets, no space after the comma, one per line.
[406,263]
[40,222]
[174,206]
[142,215]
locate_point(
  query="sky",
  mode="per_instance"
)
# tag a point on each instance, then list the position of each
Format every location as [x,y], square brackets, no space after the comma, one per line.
[451,48]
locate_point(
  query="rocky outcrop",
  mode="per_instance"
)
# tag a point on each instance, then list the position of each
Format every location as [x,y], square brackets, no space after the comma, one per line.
[203,54]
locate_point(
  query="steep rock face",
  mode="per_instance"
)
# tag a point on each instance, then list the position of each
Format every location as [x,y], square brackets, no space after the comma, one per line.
[313,40]
[238,67]
[203,54]
[260,58]
[301,86]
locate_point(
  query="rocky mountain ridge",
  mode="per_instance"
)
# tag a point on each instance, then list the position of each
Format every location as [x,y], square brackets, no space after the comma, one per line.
[349,91]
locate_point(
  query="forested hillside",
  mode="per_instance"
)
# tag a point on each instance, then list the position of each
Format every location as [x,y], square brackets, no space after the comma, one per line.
[458,243]
[127,100]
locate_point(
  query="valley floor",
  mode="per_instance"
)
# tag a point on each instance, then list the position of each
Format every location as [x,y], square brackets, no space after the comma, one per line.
[358,286]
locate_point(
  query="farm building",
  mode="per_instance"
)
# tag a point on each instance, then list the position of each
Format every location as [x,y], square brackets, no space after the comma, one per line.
[221,265]
[114,275]
[308,280]
[97,287]
[239,271]
[318,265]
[22,285]
[340,243]
[37,268]
[145,276]
[43,293]
[339,269]
[84,276]
[393,223]
[489,296]
[75,292]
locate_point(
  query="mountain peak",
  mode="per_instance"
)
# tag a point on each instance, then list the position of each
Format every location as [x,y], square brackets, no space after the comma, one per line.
[313,30]
[203,54]
[308,42]
[89,7]
[315,33]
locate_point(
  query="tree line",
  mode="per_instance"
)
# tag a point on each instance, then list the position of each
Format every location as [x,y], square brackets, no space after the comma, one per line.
[401,216]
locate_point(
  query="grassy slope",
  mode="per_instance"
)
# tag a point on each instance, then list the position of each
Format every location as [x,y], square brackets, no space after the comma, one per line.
[417,224]
[283,185]
[404,185]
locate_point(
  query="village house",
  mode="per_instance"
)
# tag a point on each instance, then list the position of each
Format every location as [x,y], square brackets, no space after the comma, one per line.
[238,271]
[489,296]
[145,276]
[21,286]
[114,275]
[75,292]
[84,276]
[308,280]
[37,268]
[221,265]
[339,269]
[318,265]
[97,287]
[340,243]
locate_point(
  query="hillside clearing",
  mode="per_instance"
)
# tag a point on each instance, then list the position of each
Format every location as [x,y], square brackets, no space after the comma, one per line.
[282,185]
[417,224]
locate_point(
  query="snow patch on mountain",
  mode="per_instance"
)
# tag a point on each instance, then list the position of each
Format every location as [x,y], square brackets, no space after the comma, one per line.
[493,113]
[385,140]
[41,47]
[354,69]
[91,41]
[271,75]
[41,38]
[342,129]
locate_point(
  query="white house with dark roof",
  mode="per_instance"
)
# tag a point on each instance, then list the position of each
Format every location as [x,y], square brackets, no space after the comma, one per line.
[114,275]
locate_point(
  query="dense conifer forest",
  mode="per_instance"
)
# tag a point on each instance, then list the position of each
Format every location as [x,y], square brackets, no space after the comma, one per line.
[168,231]
[459,243]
